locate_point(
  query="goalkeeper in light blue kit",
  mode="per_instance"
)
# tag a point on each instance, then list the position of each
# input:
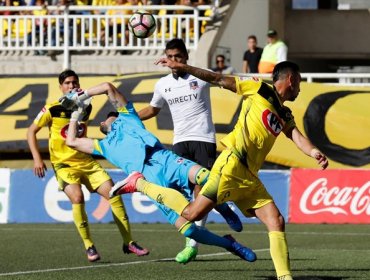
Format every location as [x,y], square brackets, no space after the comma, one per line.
[129,146]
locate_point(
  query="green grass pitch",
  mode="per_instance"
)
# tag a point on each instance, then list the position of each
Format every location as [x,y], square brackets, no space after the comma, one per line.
[47,251]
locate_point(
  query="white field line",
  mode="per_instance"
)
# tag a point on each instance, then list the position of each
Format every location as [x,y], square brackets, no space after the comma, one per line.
[172,230]
[109,265]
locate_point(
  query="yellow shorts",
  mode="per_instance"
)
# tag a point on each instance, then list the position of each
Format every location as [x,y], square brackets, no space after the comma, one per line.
[231,180]
[91,174]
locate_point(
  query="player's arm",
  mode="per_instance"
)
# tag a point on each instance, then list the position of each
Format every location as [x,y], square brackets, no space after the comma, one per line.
[227,82]
[245,66]
[115,97]
[307,147]
[76,98]
[39,166]
[83,144]
[148,112]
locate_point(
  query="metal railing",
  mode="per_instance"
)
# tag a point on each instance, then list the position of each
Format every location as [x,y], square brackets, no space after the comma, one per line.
[68,28]
[362,79]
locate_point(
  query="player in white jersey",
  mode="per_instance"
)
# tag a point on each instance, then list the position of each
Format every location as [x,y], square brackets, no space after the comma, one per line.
[194,132]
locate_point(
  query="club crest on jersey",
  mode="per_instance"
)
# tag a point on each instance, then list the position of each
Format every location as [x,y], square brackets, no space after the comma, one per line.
[180,160]
[193,85]
[81,130]
[272,122]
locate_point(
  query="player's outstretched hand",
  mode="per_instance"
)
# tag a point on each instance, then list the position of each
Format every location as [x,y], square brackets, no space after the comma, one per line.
[74,99]
[320,158]
[164,61]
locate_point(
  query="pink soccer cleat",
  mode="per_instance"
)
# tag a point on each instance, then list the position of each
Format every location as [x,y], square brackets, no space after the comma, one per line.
[134,248]
[127,185]
[92,254]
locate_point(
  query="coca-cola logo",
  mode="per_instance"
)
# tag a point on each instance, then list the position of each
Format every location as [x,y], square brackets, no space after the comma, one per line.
[319,197]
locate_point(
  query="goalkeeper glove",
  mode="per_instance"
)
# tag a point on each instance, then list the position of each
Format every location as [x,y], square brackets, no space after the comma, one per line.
[74,99]
[80,112]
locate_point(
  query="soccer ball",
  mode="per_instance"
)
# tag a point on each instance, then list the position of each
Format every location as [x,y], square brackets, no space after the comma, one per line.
[142,24]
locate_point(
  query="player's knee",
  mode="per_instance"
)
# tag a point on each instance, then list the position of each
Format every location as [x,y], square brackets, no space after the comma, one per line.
[202,176]
[276,223]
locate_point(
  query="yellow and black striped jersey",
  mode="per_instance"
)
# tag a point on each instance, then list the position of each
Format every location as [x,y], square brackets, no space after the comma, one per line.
[56,117]
[260,121]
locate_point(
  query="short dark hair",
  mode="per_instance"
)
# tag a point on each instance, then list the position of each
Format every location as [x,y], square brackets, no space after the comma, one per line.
[221,56]
[112,114]
[177,43]
[284,68]
[252,37]
[67,73]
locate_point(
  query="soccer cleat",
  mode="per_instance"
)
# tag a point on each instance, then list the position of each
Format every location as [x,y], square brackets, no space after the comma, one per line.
[134,248]
[92,254]
[238,249]
[188,254]
[285,277]
[128,185]
[231,218]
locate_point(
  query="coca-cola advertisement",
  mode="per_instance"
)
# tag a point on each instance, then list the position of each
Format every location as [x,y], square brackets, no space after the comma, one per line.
[330,196]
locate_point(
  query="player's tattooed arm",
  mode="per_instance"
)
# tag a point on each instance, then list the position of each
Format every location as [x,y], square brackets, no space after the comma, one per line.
[115,97]
[205,75]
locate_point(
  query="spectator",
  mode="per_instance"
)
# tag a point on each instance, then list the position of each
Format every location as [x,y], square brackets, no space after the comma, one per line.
[221,67]
[40,26]
[252,56]
[273,53]
[62,4]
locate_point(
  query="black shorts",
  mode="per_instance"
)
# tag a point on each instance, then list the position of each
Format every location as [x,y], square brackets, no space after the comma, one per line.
[203,153]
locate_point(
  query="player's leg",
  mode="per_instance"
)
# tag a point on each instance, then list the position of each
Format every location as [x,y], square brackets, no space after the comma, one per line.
[202,235]
[75,195]
[188,150]
[97,179]
[270,215]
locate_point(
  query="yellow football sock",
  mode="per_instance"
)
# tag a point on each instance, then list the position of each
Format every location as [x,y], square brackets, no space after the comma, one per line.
[121,218]
[279,253]
[81,222]
[166,196]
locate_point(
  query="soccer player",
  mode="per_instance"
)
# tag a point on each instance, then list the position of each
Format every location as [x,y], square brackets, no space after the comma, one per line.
[234,176]
[129,146]
[194,133]
[73,168]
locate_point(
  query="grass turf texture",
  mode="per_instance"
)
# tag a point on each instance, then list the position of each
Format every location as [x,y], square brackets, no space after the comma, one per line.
[47,251]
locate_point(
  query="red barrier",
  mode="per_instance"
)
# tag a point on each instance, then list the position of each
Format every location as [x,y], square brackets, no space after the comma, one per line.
[330,196]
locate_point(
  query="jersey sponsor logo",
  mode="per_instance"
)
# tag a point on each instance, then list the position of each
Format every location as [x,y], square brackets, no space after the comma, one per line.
[193,85]
[182,99]
[272,122]
[81,130]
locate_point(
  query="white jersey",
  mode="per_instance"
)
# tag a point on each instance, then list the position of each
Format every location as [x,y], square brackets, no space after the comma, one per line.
[189,101]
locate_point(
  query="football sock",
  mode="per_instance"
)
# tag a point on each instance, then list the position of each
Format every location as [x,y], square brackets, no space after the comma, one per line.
[201,223]
[202,235]
[279,253]
[166,196]
[121,219]
[81,222]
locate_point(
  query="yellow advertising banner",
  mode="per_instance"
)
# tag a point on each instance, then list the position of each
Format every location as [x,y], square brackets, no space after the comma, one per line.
[335,118]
